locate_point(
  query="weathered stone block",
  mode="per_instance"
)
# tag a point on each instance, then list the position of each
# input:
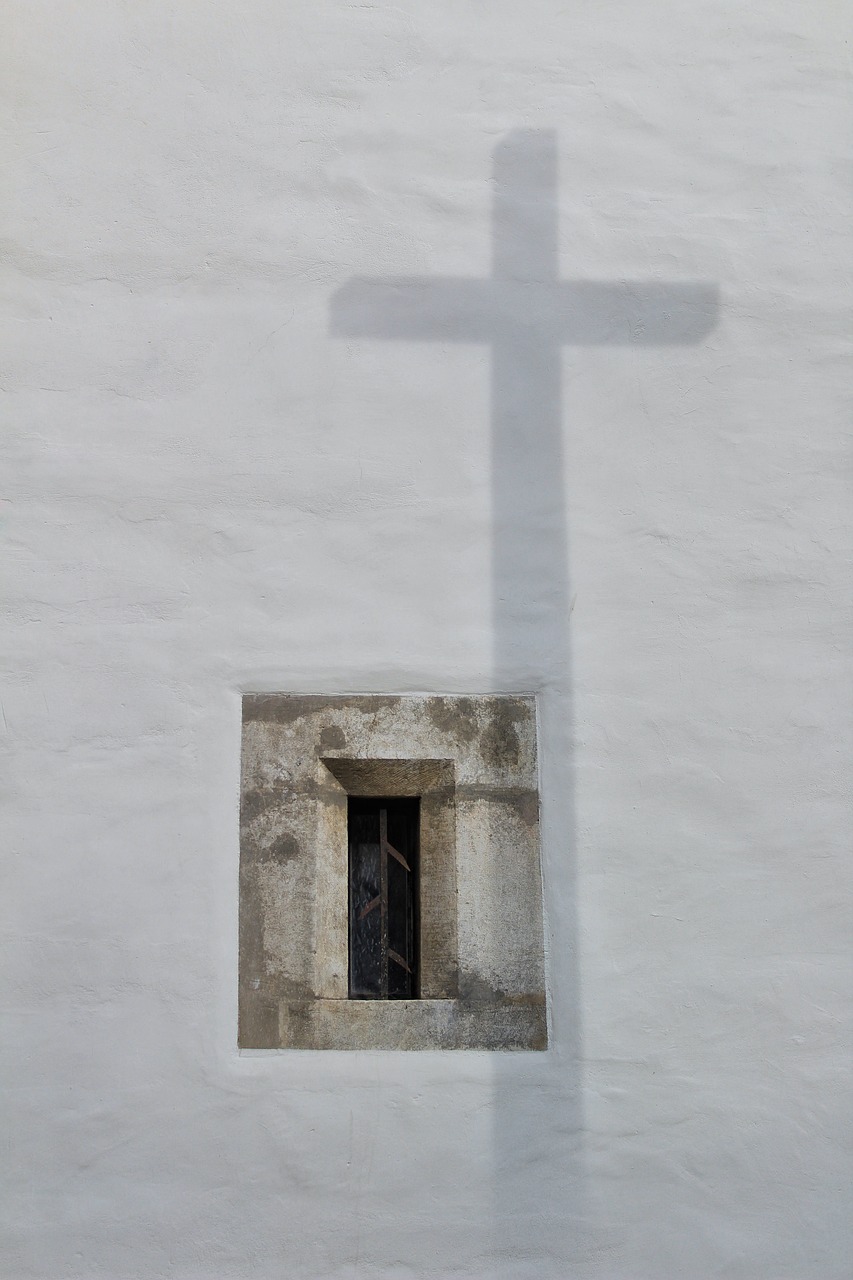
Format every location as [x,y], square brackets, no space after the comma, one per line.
[472,761]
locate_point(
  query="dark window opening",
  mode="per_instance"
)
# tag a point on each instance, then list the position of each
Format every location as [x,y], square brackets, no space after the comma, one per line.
[383,898]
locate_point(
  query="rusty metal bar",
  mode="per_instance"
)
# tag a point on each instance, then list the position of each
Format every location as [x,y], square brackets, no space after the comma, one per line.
[395,955]
[402,861]
[372,904]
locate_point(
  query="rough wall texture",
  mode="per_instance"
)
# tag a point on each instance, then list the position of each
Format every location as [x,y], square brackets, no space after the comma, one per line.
[217,479]
[472,761]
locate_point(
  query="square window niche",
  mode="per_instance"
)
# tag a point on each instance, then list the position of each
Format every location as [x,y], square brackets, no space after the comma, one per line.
[390,882]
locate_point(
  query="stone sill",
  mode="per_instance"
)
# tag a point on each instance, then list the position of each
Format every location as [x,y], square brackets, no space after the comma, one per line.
[516,1023]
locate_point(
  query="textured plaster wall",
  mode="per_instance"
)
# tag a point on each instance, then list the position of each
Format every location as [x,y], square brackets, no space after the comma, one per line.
[208,488]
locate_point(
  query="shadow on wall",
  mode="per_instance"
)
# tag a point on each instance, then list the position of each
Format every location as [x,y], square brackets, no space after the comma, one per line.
[526,314]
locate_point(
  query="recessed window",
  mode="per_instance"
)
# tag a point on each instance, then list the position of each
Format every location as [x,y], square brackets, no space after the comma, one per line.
[390,892]
[383,898]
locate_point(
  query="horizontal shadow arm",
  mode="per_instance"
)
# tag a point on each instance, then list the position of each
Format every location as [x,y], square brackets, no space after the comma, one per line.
[594,313]
[439,309]
[570,313]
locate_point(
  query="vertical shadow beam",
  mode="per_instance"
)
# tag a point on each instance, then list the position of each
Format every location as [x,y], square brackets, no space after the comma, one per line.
[526,315]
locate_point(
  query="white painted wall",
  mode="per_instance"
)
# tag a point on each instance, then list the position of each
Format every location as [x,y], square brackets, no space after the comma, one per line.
[204,491]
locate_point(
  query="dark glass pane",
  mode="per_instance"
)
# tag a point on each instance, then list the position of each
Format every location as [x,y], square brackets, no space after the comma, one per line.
[402,836]
[383,918]
[365,920]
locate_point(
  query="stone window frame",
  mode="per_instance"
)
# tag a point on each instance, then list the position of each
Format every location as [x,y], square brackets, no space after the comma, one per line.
[482,962]
[433,781]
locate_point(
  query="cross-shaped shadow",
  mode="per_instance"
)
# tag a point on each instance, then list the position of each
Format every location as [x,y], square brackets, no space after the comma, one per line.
[526,314]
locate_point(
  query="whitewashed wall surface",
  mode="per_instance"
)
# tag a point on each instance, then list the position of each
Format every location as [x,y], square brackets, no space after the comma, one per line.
[451,348]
